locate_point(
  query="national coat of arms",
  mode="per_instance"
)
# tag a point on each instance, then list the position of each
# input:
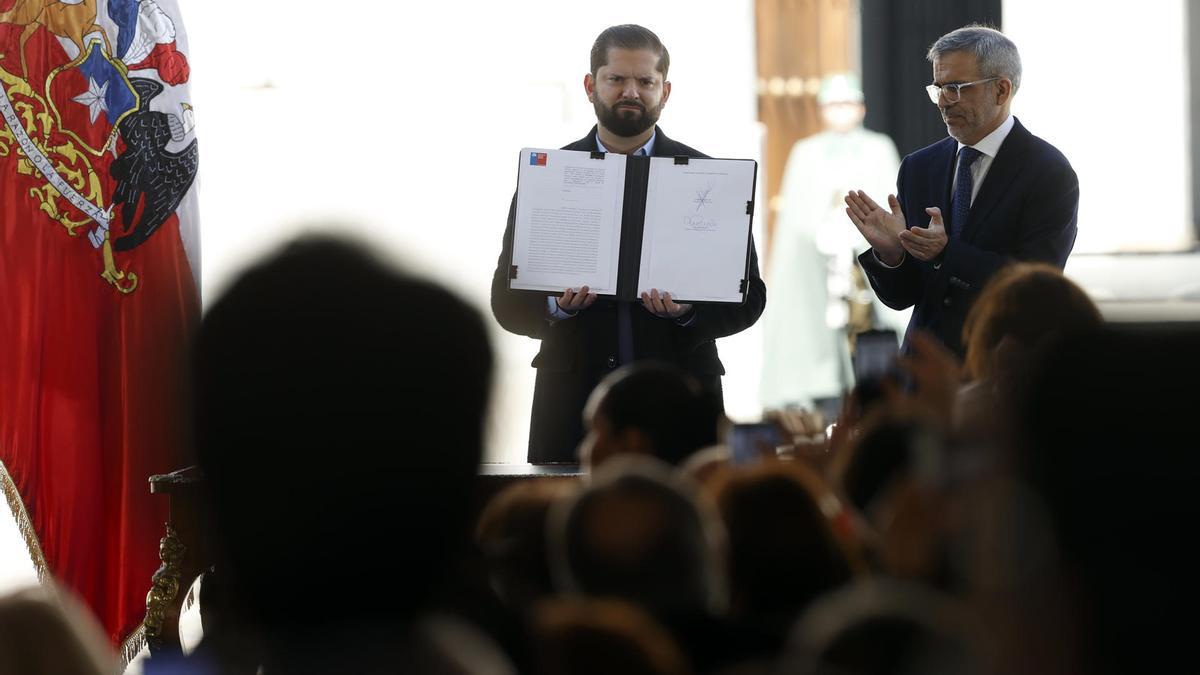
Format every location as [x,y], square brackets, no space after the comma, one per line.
[96,128]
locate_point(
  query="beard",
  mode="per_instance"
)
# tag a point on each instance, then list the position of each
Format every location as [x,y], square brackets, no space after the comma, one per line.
[626,123]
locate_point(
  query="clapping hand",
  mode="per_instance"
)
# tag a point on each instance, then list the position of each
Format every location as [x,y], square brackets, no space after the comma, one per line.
[926,243]
[881,228]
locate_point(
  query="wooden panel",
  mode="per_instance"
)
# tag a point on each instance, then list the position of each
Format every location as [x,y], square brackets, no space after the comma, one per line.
[799,42]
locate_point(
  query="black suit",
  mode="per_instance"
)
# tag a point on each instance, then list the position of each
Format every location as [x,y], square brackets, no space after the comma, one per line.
[1025,210]
[578,352]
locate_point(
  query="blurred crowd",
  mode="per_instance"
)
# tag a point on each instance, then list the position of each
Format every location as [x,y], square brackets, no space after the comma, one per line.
[1024,511]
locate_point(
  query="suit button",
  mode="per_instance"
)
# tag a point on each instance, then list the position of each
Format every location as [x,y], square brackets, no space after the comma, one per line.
[946,302]
[612,362]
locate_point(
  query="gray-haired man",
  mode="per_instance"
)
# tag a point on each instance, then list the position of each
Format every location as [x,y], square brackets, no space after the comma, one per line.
[965,206]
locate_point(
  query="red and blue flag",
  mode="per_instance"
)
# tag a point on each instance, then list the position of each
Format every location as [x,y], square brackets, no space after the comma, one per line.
[99,251]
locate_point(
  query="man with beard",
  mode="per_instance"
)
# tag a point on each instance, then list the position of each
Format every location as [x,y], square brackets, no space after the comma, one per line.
[990,194]
[585,337]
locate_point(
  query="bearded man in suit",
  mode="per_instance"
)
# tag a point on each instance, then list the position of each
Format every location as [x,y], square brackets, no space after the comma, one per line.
[583,338]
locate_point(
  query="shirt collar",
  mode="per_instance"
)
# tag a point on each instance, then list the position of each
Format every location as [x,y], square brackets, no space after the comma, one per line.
[646,150]
[990,144]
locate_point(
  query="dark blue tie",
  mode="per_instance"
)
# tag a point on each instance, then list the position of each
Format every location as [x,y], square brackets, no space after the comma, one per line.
[963,182]
[624,332]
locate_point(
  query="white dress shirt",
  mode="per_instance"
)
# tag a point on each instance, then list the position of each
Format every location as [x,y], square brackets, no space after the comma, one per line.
[988,145]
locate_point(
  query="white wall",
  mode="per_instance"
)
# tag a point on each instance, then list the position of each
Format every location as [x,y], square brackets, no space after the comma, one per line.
[402,122]
[1106,82]
[16,569]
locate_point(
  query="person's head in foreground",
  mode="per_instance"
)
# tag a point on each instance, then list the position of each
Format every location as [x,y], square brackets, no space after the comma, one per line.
[648,408]
[642,532]
[339,408]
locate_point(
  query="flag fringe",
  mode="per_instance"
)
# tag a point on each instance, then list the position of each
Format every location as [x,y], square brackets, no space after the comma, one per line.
[131,647]
[17,506]
[136,640]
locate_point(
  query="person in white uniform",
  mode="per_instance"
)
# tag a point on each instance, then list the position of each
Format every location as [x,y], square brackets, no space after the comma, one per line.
[811,261]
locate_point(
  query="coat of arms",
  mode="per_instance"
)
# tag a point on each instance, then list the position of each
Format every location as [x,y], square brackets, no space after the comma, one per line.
[94,123]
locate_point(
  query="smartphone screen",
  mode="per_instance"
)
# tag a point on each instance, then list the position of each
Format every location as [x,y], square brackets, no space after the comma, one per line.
[748,442]
[875,353]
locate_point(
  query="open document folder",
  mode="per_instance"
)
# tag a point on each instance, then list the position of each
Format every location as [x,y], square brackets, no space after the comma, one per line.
[624,225]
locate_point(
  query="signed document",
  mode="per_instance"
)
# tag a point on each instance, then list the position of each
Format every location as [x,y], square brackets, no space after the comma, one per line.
[624,225]
[697,235]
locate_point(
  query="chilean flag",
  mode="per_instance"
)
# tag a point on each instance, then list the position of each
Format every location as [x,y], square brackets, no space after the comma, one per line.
[96,95]
[94,337]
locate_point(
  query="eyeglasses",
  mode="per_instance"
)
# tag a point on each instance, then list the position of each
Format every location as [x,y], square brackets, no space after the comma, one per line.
[952,92]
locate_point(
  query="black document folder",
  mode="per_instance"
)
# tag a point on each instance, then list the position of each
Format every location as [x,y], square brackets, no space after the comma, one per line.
[624,225]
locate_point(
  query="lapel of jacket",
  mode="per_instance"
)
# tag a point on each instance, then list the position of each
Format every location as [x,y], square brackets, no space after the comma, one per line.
[941,166]
[663,146]
[1005,167]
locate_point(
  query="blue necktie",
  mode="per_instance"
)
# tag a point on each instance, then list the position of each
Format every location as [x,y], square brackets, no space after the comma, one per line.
[963,182]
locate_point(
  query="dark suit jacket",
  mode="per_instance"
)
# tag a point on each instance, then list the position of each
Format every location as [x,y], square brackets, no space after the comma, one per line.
[1025,210]
[577,352]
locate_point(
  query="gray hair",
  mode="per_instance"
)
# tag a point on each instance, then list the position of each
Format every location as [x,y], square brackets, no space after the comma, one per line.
[996,55]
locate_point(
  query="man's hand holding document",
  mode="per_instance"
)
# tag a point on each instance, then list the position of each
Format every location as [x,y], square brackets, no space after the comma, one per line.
[633,227]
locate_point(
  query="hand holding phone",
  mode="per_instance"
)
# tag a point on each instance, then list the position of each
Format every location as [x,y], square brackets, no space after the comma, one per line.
[749,443]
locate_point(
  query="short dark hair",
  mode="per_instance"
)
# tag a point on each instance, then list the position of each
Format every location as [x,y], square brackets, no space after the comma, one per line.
[511,534]
[670,561]
[337,401]
[665,403]
[629,36]
[783,552]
